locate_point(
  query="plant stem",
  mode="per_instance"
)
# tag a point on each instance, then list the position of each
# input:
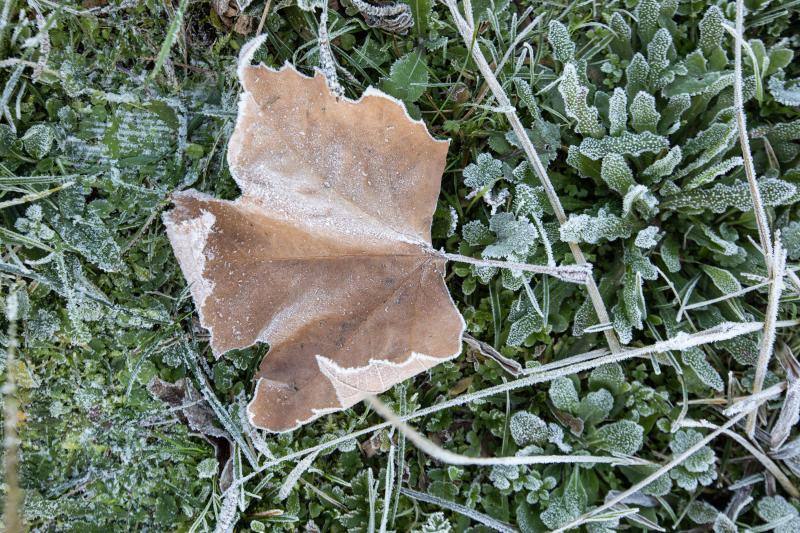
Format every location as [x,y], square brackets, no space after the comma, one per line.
[467,30]
[768,339]
[570,273]
[744,141]
[13,496]
[446,456]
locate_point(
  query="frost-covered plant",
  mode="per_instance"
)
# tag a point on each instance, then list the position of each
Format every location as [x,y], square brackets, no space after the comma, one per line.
[663,143]
[780,515]
[657,148]
[699,468]
[435,523]
[512,478]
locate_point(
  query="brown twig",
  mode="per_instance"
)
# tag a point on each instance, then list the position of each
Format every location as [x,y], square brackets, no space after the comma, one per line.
[263,17]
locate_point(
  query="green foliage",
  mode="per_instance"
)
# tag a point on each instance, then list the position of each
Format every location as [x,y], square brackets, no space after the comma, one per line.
[407,77]
[624,437]
[592,229]
[699,468]
[779,513]
[631,111]
[575,96]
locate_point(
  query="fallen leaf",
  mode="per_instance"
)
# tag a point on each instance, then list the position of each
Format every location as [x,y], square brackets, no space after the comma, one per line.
[327,254]
[193,410]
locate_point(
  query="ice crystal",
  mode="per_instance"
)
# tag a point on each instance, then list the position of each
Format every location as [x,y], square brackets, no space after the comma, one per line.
[556,436]
[82,227]
[523,327]
[722,279]
[672,113]
[595,406]
[713,172]
[568,506]
[670,254]
[695,359]
[642,199]
[736,195]
[207,468]
[664,166]
[617,112]
[776,510]
[516,238]
[658,58]
[723,524]
[476,233]
[609,376]
[42,326]
[563,47]
[790,236]
[647,14]
[711,30]
[620,27]
[527,200]
[701,512]
[698,468]
[38,140]
[785,92]
[644,116]
[616,173]
[436,523]
[637,74]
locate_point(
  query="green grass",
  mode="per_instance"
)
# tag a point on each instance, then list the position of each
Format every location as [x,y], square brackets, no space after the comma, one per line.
[108,107]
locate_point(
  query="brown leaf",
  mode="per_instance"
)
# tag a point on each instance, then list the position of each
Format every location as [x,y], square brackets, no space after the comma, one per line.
[327,254]
[193,410]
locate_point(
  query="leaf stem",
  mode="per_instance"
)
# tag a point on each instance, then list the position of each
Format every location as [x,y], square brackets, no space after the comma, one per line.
[570,273]
[13,494]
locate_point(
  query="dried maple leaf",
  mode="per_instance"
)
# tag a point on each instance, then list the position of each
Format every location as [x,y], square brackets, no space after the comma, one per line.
[327,254]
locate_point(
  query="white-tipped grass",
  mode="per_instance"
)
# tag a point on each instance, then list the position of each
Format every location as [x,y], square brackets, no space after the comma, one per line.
[388,485]
[291,480]
[766,347]
[472,514]
[744,140]
[790,411]
[12,519]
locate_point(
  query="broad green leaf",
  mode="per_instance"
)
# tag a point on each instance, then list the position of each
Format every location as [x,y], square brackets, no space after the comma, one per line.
[407,77]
